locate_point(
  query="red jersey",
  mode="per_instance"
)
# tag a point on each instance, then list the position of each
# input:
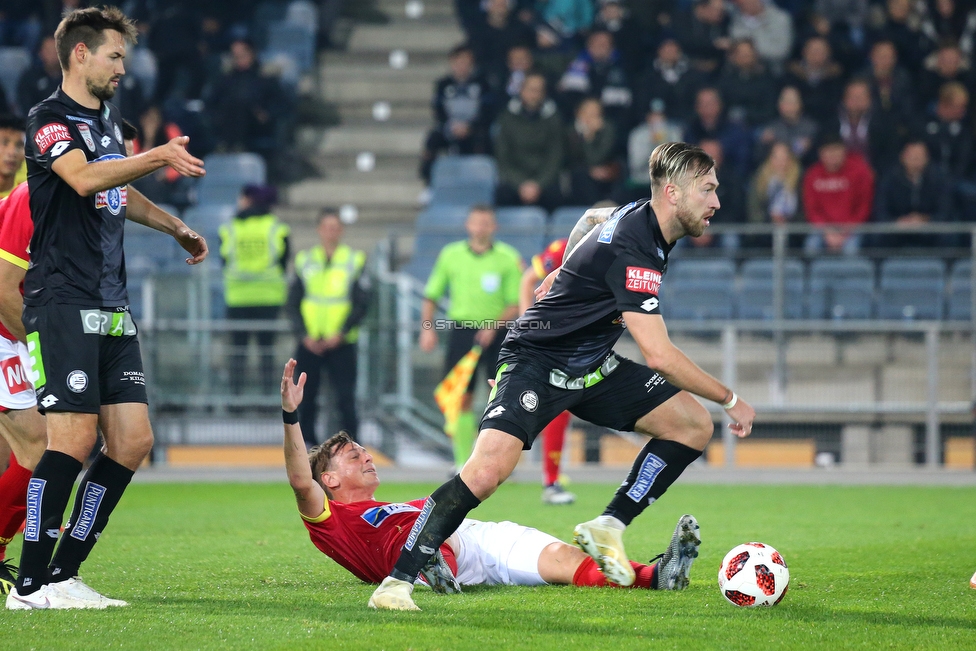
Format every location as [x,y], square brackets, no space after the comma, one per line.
[549,260]
[366,537]
[16,229]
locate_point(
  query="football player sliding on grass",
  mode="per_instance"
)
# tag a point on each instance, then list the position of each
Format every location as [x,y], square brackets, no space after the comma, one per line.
[335,483]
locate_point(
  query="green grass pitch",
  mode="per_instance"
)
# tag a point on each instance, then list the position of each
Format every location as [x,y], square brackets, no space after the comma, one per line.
[230,566]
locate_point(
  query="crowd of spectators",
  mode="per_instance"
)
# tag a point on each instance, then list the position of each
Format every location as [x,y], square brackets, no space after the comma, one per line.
[835,112]
[205,76]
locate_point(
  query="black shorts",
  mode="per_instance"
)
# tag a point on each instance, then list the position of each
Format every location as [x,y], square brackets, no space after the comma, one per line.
[83,358]
[525,400]
[459,344]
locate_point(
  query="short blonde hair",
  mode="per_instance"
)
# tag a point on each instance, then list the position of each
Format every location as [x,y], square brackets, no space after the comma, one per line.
[671,162]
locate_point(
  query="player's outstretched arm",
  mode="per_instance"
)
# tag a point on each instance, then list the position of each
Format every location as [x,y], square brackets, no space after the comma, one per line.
[88,178]
[143,211]
[11,300]
[308,493]
[651,335]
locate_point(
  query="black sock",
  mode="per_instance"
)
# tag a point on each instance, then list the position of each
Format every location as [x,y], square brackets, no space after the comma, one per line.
[442,515]
[658,465]
[47,496]
[98,494]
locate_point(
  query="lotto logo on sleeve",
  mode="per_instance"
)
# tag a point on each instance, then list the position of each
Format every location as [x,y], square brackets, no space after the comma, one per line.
[50,134]
[647,281]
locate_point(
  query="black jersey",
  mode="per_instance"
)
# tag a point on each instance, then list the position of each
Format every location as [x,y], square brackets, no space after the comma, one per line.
[76,250]
[616,268]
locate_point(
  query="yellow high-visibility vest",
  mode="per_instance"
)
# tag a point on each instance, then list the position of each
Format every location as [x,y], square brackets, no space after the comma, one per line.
[328,289]
[252,248]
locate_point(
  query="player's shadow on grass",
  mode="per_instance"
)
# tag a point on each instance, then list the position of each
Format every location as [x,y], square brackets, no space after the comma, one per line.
[819,614]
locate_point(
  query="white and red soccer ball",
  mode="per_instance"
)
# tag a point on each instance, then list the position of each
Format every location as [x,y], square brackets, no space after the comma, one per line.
[753,574]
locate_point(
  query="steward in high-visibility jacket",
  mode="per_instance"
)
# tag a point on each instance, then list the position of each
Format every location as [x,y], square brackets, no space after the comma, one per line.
[327,301]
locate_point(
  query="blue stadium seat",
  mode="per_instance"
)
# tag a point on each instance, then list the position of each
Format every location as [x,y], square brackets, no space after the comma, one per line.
[463,181]
[206,219]
[960,298]
[227,174]
[297,41]
[699,290]
[562,220]
[526,244]
[756,291]
[911,288]
[147,251]
[426,248]
[13,62]
[443,218]
[218,308]
[841,288]
[522,219]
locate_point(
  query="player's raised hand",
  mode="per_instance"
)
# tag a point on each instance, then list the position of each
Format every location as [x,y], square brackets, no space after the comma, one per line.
[291,393]
[543,289]
[176,156]
[193,243]
[742,415]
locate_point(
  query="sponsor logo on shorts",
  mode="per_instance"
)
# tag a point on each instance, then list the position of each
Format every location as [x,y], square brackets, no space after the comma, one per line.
[50,134]
[106,141]
[649,470]
[496,412]
[35,493]
[86,136]
[90,501]
[641,279]
[77,381]
[49,401]
[529,401]
[113,324]
[14,375]
[376,515]
[655,381]
[114,199]
[418,526]
[135,377]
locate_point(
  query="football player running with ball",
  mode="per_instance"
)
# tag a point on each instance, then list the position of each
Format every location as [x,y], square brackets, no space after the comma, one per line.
[560,356]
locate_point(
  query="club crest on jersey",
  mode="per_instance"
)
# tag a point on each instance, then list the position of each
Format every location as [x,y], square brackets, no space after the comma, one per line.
[641,279]
[50,134]
[114,199]
[86,135]
[118,133]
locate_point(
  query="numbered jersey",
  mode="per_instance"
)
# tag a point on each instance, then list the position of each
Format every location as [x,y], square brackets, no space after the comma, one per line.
[76,249]
[618,267]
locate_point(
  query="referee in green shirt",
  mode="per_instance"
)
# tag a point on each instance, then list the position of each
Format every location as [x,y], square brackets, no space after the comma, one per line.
[482,279]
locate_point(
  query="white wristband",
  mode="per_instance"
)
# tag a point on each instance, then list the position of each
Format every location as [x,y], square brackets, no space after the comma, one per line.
[731,403]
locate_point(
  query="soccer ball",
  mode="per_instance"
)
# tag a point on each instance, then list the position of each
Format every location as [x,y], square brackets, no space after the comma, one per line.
[753,574]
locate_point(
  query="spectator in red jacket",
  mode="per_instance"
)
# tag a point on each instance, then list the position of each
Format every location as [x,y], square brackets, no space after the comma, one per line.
[838,192]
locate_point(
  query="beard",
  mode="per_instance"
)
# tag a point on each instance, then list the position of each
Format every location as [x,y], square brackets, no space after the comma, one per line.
[690,223]
[104,92]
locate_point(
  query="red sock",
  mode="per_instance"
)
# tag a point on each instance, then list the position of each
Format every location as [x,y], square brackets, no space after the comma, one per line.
[553,437]
[13,502]
[588,574]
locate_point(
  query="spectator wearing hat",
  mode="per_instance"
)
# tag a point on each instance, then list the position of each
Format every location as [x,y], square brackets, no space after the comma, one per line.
[254,248]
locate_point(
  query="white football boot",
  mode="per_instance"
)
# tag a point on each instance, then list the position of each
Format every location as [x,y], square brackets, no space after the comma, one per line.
[605,545]
[45,599]
[393,594]
[75,588]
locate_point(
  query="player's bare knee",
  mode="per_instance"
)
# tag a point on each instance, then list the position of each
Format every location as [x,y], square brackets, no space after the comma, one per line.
[701,430]
[481,479]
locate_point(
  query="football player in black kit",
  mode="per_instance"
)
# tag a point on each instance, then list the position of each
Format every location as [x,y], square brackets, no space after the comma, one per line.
[84,355]
[560,356]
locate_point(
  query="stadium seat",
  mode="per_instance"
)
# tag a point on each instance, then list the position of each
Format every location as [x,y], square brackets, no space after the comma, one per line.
[141,64]
[147,251]
[960,298]
[756,291]
[218,308]
[463,181]
[13,62]
[227,174]
[523,219]
[526,244]
[562,220]
[206,220]
[297,41]
[443,218]
[426,248]
[911,288]
[699,290]
[841,288]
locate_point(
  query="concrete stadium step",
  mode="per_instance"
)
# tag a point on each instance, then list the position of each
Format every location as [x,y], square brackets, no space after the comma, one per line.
[410,37]
[389,167]
[344,66]
[396,9]
[363,90]
[402,111]
[379,139]
[358,193]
